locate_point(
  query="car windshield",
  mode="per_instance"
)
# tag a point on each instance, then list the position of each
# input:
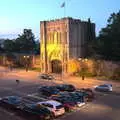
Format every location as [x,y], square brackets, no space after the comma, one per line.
[47,105]
[14,99]
[59,107]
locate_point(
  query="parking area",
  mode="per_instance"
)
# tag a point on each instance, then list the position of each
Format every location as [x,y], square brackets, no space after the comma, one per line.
[105,106]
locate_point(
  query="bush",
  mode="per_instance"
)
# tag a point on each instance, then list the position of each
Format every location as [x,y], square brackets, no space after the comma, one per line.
[86,74]
[116,74]
[36,69]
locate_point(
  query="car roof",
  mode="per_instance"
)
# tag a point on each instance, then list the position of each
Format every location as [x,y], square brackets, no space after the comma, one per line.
[108,84]
[13,97]
[103,85]
[52,102]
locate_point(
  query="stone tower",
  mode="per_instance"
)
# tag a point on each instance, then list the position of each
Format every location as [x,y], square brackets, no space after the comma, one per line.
[63,40]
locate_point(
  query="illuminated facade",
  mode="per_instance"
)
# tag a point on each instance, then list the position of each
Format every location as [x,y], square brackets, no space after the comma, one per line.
[63,40]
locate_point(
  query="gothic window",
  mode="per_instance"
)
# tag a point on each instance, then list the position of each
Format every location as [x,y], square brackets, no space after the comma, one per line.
[51,38]
[55,37]
[58,37]
[65,37]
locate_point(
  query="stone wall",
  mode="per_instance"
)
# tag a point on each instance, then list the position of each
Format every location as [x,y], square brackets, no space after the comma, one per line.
[94,67]
[19,59]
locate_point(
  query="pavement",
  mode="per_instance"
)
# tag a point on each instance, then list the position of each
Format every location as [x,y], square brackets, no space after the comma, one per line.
[33,77]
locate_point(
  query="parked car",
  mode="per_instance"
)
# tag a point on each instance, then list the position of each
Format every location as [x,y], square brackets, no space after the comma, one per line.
[46,77]
[38,111]
[78,98]
[69,101]
[68,105]
[66,87]
[104,88]
[55,107]
[48,90]
[88,93]
[11,101]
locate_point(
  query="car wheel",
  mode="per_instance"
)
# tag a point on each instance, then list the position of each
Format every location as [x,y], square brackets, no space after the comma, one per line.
[52,115]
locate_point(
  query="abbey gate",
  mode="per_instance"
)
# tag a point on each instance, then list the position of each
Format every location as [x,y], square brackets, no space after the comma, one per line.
[63,40]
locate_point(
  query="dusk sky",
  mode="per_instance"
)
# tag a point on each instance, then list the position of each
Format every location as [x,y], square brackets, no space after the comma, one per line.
[15,15]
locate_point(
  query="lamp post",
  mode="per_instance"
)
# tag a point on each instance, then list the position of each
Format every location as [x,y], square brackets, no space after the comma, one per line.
[26,58]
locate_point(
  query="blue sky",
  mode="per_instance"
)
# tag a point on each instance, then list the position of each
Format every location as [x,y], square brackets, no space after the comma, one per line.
[15,15]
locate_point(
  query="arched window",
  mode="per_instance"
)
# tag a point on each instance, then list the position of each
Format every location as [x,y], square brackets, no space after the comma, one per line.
[59,37]
[51,38]
[55,37]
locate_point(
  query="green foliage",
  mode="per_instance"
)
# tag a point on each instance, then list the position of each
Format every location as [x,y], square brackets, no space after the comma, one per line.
[116,74]
[25,43]
[84,71]
[8,45]
[37,47]
[36,69]
[109,39]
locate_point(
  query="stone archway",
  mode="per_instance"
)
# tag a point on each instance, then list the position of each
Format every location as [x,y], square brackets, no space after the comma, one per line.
[56,66]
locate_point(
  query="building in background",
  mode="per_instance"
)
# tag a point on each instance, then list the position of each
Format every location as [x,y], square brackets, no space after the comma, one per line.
[63,41]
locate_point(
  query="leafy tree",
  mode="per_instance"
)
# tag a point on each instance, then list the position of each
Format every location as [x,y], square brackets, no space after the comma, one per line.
[1,49]
[109,39]
[8,45]
[25,43]
[37,47]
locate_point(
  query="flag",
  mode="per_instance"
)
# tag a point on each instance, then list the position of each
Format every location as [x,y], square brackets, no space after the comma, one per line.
[63,5]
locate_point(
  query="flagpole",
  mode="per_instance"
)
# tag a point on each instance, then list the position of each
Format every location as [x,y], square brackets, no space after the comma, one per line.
[64,10]
[64,7]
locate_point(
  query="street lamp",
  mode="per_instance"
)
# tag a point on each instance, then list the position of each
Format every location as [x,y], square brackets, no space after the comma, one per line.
[26,62]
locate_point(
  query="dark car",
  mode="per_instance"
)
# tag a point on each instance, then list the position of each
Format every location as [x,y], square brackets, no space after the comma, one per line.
[46,76]
[87,93]
[48,90]
[38,111]
[66,87]
[11,101]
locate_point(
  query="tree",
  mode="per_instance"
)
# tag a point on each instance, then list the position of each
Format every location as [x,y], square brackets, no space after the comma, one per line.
[25,43]
[1,49]
[109,39]
[8,45]
[37,47]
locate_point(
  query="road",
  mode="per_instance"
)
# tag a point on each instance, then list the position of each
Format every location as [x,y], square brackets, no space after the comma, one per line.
[104,107]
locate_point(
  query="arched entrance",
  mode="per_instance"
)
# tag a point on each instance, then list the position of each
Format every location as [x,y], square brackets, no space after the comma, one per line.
[56,66]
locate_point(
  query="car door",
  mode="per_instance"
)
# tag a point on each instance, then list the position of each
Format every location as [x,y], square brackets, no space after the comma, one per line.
[48,106]
[104,87]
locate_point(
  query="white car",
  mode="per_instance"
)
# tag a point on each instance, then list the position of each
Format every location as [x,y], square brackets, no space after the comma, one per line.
[55,107]
[104,87]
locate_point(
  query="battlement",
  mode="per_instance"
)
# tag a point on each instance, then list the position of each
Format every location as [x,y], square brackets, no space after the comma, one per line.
[63,20]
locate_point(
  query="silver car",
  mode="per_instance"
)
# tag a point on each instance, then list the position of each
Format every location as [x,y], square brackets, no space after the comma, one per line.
[104,87]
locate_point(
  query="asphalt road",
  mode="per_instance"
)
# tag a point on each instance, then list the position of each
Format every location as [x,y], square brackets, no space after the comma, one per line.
[104,107]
